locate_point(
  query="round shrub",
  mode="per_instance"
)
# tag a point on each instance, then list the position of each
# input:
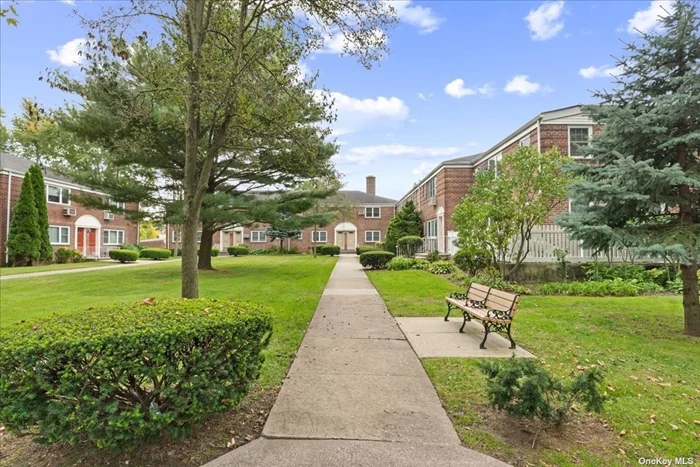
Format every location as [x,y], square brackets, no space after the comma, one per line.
[63,255]
[365,248]
[410,244]
[124,256]
[433,256]
[238,250]
[471,261]
[375,259]
[156,253]
[328,250]
[76,256]
[214,252]
[127,373]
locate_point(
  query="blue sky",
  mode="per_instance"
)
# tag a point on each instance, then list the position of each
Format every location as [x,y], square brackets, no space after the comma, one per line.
[460,76]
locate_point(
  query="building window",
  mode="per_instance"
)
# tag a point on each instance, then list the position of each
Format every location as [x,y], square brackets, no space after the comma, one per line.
[431,228]
[177,238]
[372,236]
[112,237]
[116,204]
[525,141]
[493,162]
[320,236]
[58,195]
[578,139]
[59,235]
[372,212]
[258,236]
[430,186]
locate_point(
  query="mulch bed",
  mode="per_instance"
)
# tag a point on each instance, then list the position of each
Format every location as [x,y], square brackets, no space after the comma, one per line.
[209,441]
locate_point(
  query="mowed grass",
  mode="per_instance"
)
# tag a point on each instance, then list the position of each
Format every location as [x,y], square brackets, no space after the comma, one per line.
[12,271]
[290,285]
[652,370]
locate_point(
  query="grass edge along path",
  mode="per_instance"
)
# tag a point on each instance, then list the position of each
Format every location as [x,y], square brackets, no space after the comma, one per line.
[652,373]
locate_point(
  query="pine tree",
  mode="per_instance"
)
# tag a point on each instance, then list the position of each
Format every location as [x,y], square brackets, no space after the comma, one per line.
[642,188]
[406,222]
[45,248]
[23,239]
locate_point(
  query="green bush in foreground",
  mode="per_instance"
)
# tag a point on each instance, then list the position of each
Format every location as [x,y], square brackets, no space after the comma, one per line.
[442,267]
[237,250]
[409,244]
[328,250]
[365,248]
[523,388]
[433,256]
[156,253]
[124,256]
[120,375]
[375,259]
[63,255]
[489,279]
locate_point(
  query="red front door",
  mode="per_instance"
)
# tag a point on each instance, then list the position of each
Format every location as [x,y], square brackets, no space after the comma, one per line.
[87,241]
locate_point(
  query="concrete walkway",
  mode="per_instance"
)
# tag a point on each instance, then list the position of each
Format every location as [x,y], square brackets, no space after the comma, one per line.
[77,270]
[356,394]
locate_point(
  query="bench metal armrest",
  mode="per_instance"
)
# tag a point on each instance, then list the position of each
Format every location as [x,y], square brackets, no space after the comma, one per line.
[459,295]
[498,314]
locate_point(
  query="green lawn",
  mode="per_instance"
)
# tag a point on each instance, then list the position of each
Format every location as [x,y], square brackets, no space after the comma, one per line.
[290,285]
[13,271]
[651,369]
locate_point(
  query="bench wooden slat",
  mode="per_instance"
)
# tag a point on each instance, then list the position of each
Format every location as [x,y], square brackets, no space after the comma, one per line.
[499,302]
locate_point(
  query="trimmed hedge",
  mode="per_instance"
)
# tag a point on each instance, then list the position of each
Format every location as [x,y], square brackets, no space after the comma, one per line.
[364,249]
[328,250]
[238,250]
[375,259]
[156,253]
[121,375]
[403,263]
[124,256]
[410,244]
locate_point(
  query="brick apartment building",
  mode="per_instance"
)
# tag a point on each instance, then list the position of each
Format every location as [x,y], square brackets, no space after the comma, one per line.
[439,192]
[366,226]
[91,231]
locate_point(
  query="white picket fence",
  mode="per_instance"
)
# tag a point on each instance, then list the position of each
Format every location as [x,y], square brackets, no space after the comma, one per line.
[545,238]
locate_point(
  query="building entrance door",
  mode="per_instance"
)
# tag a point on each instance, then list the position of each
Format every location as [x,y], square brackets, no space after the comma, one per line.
[87,242]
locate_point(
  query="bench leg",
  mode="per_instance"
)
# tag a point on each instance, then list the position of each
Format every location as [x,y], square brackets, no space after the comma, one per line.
[449,308]
[512,342]
[466,318]
[486,334]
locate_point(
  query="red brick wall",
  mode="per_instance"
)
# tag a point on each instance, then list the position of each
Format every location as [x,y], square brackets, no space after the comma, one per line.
[56,217]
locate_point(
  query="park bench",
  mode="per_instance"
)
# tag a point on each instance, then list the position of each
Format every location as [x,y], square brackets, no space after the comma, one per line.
[494,308]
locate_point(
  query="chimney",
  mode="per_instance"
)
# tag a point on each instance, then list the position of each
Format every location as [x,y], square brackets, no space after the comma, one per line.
[371,185]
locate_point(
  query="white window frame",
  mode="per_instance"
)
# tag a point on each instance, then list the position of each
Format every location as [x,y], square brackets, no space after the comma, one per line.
[60,195]
[107,232]
[568,137]
[371,209]
[372,232]
[199,236]
[316,236]
[495,159]
[427,228]
[116,204]
[259,234]
[175,237]
[59,227]
[525,141]
[431,188]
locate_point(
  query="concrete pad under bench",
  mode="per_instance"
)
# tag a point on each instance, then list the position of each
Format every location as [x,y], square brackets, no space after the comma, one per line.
[435,337]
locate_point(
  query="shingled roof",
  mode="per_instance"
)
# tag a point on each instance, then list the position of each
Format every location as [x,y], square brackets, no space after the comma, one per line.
[361,197]
[20,166]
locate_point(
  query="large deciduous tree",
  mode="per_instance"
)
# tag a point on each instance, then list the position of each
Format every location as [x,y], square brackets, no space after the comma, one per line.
[643,185]
[505,203]
[23,240]
[217,49]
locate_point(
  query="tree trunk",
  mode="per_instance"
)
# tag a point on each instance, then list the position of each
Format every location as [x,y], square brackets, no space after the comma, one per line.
[205,246]
[190,277]
[691,301]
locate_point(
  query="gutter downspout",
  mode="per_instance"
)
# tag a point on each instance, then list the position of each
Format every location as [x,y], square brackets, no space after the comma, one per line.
[7,230]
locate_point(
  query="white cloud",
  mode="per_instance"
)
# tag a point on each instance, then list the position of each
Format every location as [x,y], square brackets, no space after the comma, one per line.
[423,168]
[419,16]
[648,20]
[334,42]
[600,71]
[424,97]
[457,89]
[367,154]
[521,84]
[68,2]
[68,53]
[545,22]
[354,114]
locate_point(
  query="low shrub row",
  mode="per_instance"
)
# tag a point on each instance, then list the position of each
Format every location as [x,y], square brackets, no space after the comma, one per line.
[239,250]
[375,259]
[403,263]
[155,253]
[609,287]
[442,267]
[328,250]
[124,374]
